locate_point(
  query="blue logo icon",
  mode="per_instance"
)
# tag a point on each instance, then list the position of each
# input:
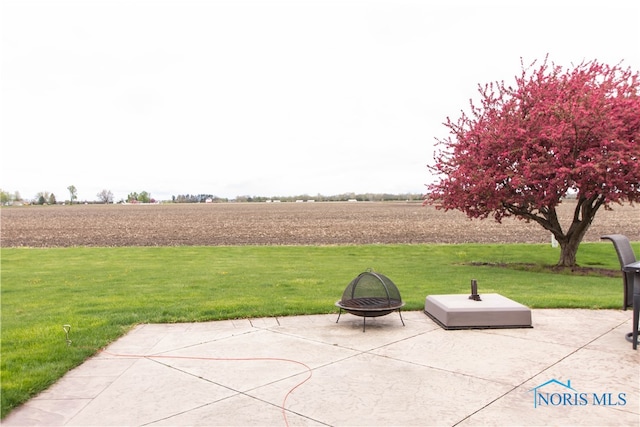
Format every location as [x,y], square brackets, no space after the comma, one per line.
[556,393]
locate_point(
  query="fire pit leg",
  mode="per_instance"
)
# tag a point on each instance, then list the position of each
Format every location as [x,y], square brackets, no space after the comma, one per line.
[339,313]
[401,319]
[364,322]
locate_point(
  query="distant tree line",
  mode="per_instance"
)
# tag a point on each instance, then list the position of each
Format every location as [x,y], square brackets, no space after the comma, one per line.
[7,197]
[41,198]
[197,198]
[106,197]
[142,197]
[360,197]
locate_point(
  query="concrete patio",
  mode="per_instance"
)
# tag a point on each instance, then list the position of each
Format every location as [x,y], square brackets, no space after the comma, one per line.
[573,368]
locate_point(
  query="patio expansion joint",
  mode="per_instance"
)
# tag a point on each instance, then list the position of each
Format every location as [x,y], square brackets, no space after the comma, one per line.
[164,353]
[559,360]
[237,392]
[547,341]
[200,378]
[264,327]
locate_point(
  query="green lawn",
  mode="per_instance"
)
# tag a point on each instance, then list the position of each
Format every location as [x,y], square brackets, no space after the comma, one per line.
[103,292]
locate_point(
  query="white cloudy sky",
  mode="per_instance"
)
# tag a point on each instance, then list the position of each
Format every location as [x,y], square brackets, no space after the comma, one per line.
[265,97]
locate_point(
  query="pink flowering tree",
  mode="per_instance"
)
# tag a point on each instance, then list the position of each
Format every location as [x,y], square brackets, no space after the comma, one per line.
[555,132]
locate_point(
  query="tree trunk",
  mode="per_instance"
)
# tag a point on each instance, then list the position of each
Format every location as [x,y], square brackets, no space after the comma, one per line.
[582,217]
[583,214]
[568,251]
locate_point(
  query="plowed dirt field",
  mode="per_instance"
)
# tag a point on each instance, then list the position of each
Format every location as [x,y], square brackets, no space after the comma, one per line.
[330,223]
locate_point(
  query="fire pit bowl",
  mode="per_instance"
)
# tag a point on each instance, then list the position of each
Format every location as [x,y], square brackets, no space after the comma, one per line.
[370,295]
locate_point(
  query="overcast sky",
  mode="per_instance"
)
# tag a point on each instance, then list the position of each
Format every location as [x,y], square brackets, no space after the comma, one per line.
[265,98]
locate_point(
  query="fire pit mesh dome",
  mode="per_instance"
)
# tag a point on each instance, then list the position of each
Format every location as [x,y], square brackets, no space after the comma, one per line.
[371,289]
[370,295]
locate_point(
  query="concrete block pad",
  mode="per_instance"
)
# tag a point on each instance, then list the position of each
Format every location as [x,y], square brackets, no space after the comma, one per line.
[493,311]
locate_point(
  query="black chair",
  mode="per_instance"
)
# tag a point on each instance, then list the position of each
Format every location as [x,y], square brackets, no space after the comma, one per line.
[625,256]
[630,274]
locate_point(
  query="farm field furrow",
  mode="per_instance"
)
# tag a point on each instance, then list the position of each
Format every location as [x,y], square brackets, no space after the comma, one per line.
[329,223]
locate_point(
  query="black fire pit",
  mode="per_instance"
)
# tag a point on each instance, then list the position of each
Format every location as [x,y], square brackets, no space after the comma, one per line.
[370,295]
